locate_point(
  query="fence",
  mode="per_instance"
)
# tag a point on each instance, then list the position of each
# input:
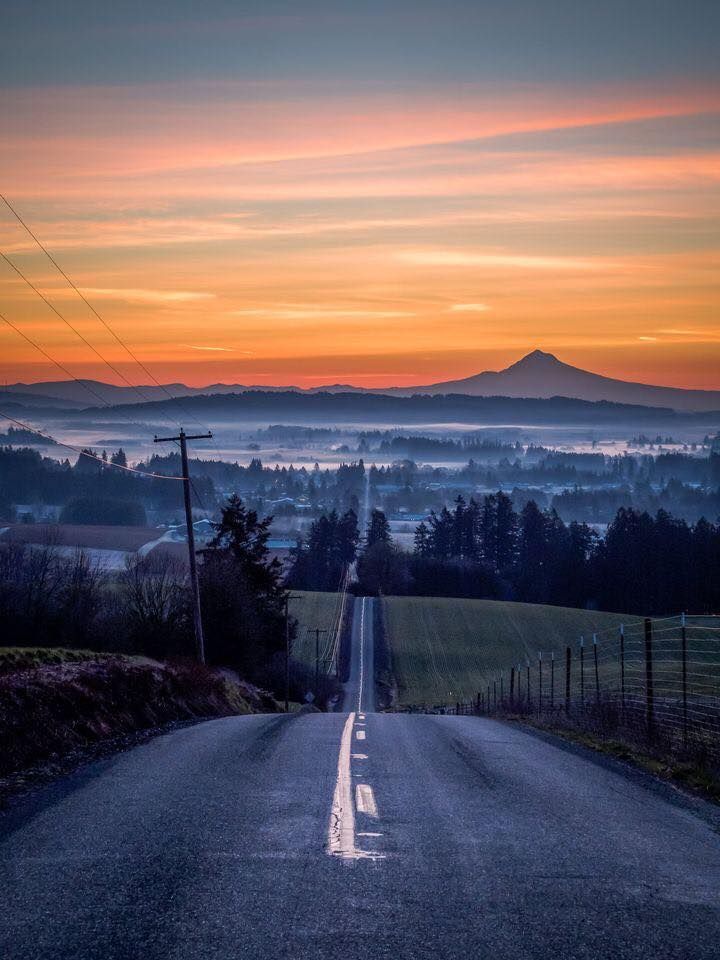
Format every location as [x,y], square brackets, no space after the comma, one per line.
[654,680]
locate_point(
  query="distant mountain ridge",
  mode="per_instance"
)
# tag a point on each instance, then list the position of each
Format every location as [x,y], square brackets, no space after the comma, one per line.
[541,375]
[538,375]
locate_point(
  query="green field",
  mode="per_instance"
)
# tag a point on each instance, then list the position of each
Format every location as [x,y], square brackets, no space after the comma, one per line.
[313,610]
[444,650]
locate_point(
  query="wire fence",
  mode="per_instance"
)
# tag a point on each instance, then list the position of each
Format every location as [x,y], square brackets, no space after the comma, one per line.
[652,681]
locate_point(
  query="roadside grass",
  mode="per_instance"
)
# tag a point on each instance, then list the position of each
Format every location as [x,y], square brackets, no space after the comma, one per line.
[446,649]
[685,772]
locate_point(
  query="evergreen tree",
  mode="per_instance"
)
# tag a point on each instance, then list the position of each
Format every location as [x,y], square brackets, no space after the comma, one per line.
[243,597]
[531,581]
[378,530]
[422,540]
[320,561]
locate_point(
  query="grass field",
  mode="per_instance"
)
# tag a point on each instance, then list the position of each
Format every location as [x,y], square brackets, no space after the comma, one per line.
[313,610]
[444,650]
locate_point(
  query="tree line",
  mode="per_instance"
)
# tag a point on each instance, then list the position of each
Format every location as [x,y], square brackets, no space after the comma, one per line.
[645,564]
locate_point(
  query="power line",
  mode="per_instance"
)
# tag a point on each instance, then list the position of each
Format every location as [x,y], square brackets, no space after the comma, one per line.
[73,328]
[57,363]
[84,453]
[60,366]
[95,313]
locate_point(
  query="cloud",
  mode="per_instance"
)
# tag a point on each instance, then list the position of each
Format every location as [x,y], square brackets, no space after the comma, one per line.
[649,339]
[195,346]
[469,308]
[145,296]
[459,258]
[320,313]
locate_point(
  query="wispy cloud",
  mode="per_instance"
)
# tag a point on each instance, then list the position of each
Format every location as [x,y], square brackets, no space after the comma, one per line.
[462,258]
[145,296]
[469,308]
[197,346]
[320,312]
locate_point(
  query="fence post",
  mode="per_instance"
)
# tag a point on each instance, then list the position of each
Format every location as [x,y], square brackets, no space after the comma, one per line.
[512,686]
[539,683]
[649,686]
[552,680]
[477,703]
[568,656]
[683,634]
[488,698]
[529,698]
[582,671]
[519,685]
[502,691]
[622,669]
[494,694]
[597,675]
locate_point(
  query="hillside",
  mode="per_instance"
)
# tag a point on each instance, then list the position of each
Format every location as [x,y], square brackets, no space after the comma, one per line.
[332,409]
[56,704]
[444,650]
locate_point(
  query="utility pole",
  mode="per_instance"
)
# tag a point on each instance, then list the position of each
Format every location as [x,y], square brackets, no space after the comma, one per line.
[317,631]
[195,586]
[288,651]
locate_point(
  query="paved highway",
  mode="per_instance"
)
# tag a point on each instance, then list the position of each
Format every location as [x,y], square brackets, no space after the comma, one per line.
[360,688]
[357,835]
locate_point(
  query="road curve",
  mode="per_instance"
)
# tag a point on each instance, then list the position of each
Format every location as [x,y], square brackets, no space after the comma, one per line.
[357,835]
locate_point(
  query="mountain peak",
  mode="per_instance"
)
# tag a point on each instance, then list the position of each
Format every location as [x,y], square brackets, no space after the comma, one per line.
[537,358]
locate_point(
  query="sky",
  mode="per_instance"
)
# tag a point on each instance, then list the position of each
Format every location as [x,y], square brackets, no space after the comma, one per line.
[377,193]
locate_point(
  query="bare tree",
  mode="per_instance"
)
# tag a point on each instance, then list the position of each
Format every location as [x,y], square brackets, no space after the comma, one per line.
[154,594]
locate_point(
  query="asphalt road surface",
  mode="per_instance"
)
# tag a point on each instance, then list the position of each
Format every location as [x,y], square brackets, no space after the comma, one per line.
[360,687]
[357,835]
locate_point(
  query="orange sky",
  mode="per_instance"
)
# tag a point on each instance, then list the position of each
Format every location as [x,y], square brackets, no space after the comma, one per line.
[373,239]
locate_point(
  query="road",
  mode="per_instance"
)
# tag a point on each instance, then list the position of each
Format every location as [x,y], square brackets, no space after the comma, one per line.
[357,835]
[360,686]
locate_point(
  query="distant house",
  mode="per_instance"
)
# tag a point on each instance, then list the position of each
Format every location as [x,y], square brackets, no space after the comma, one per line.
[204,530]
[281,503]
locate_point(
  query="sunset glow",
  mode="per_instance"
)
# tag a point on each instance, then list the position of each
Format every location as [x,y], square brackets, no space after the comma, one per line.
[406,217]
